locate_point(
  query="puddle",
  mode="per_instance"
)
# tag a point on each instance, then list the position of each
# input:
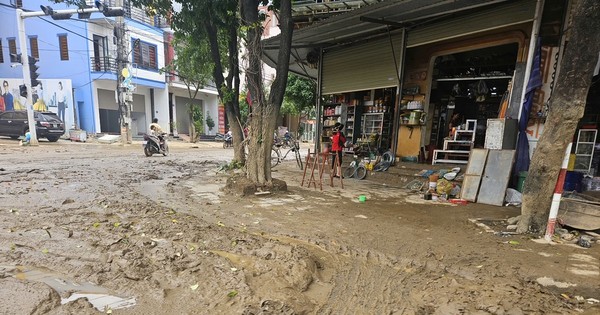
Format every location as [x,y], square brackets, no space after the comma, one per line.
[205,191]
[100,297]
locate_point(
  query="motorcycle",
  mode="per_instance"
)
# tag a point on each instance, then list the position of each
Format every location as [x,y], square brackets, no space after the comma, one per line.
[228,141]
[155,144]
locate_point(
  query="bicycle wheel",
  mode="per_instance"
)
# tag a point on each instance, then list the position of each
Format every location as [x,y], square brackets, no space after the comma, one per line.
[361,172]
[350,171]
[275,157]
[298,159]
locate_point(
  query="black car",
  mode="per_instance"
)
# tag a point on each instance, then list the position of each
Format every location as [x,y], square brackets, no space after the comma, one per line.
[14,124]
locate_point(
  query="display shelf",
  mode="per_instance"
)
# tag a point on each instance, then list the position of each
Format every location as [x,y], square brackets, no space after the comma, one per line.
[584,151]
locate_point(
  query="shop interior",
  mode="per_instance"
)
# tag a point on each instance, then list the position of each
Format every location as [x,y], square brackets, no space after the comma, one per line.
[586,150]
[467,89]
[367,117]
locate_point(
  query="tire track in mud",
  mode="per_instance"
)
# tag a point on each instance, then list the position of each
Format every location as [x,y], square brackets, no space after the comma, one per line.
[166,242]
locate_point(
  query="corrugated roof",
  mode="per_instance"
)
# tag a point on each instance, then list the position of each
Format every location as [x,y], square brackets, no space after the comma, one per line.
[364,22]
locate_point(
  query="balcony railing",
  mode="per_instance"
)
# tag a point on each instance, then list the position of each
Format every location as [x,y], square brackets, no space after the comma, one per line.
[103,64]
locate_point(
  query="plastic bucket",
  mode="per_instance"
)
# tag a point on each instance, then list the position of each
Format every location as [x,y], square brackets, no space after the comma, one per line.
[573,181]
[521,182]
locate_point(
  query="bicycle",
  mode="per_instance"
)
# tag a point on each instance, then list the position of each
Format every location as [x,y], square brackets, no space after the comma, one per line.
[294,146]
[356,169]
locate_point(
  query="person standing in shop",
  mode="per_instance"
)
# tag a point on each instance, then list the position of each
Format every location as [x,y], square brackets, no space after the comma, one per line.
[338,141]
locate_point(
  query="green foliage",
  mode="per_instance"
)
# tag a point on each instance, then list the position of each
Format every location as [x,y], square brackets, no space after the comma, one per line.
[193,65]
[209,121]
[300,96]
[197,119]
[244,108]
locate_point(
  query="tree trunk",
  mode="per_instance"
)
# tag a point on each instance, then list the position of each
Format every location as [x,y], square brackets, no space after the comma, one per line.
[566,108]
[264,113]
[228,87]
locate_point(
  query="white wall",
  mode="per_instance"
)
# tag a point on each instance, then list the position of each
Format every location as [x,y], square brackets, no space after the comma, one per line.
[210,103]
[161,104]
[103,28]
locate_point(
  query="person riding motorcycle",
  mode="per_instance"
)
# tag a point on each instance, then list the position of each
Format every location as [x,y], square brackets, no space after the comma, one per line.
[157,131]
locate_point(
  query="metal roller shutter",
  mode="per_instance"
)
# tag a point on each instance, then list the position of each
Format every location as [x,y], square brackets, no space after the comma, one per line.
[370,65]
[367,66]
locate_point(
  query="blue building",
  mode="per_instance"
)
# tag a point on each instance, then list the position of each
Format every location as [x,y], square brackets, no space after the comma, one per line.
[84,52]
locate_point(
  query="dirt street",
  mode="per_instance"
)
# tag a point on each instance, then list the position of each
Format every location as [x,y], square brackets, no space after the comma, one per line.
[91,228]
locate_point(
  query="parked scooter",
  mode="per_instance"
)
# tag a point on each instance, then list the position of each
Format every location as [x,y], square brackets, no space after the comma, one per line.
[228,141]
[156,144]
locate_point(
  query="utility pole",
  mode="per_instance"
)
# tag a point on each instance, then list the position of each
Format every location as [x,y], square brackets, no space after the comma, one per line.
[123,99]
[26,75]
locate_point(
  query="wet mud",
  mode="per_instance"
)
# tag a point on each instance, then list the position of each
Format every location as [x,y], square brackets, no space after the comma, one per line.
[88,228]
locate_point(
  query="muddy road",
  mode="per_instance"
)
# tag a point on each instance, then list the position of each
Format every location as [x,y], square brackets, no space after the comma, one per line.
[92,228]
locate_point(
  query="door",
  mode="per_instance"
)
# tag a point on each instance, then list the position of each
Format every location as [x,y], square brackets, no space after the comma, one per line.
[5,121]
[101,60]
[19,123]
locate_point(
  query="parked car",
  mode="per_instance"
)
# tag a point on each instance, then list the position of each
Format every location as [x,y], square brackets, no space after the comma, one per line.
[14,124]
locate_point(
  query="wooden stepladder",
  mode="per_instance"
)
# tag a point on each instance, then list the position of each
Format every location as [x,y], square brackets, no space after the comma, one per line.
[319,162]
[312,162]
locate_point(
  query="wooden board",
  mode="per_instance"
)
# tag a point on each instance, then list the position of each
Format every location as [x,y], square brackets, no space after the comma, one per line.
[495,177]
[580,212]
[473,174]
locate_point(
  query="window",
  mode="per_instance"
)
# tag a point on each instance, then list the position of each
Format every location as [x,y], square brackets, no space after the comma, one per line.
[12,49]
[144,55]
[1,52]
[19,4]
[33,46]
[64,47]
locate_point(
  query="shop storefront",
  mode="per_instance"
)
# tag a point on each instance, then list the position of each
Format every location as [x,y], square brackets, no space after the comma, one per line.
[395,74]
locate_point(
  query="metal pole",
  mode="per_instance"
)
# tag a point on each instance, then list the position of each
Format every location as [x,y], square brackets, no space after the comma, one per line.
[535,29]
[26,76]
[558,190]
[396,121]
[124,110]
[319,109]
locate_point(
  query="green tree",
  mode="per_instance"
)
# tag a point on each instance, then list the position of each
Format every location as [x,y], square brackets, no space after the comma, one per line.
[300,98]
[197,118]
[193,67]
[210,123]
[264,109]
[566,109]
[223,22]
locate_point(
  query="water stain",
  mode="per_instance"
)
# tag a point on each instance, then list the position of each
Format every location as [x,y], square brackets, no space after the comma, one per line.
[70,290]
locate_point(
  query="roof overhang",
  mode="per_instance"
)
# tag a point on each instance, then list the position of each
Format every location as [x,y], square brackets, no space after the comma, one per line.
[369,21]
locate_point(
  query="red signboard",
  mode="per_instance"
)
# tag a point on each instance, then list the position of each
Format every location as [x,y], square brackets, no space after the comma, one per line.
[222,119]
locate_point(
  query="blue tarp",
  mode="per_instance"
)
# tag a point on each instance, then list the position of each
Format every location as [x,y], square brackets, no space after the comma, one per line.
[535,81]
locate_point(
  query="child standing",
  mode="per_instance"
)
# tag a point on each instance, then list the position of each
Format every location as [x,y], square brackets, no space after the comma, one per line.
[338,141]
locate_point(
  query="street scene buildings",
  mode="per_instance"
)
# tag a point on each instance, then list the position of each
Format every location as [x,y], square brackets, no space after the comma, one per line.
[81,52]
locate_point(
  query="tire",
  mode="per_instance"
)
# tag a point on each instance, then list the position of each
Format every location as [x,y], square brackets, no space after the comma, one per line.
[387,157]
[275,158]
[361,172]
[349,172]
[299,159]
[52,139]
[147,151]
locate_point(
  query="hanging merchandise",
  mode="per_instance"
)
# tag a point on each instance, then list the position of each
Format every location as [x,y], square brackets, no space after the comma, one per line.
[481,91]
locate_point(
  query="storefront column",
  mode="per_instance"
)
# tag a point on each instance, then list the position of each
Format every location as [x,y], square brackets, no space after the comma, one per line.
[400,71]
[535,30]
[319,111]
